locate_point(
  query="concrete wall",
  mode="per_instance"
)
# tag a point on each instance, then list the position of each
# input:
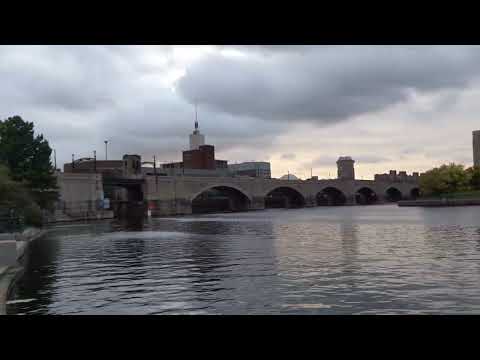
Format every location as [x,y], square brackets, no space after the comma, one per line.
[79,193]
[8,252]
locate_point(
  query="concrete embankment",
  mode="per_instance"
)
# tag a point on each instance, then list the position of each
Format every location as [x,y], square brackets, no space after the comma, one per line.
[61,217]
[440,202]
[12,249]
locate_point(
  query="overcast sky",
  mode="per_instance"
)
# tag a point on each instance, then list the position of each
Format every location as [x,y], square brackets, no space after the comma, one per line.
[299,107]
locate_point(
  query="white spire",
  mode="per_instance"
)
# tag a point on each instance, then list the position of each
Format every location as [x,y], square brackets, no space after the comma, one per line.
[196,139]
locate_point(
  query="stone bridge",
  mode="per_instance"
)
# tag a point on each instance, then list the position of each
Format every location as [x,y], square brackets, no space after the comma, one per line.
[180,194]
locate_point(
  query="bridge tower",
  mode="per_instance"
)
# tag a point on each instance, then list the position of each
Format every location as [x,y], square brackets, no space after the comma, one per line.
[345,168]
[132,165]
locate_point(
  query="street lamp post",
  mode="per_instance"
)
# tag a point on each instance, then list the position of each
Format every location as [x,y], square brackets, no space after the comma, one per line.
[106,149]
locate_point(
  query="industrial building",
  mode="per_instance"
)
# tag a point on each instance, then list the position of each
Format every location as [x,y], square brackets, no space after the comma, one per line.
[91,165]
[253,169]
[199,160]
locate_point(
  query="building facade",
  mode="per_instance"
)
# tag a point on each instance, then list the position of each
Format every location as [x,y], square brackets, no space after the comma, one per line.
[253,169]
[402,176]
[476,147]
[89,165]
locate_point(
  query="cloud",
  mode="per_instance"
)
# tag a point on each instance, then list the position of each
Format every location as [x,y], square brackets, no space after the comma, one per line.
[289,156]
[371,159]
[331,84]
[286,103]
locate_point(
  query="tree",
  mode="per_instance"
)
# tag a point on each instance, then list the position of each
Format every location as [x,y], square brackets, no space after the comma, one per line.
[28,158]
[474,177]
[15,200]
[445,179]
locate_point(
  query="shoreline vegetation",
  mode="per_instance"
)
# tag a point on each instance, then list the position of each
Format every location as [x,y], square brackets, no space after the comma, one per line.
[28,186]
[448,185]
[450,181]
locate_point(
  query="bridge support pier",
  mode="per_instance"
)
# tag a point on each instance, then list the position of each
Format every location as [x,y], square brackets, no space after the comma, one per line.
[170,207]
[257,203]
[310,201]
[350,200]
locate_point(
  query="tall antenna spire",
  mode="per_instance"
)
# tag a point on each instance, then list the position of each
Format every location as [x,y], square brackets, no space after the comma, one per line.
[196,119]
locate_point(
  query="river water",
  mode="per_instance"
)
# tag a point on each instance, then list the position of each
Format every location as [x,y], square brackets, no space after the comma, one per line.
[326,260]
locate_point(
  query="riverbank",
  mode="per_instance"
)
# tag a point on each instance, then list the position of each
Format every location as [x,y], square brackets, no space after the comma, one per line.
[8,275]
[440,202]
[13,249]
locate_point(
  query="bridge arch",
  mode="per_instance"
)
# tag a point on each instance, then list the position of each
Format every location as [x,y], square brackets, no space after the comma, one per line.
[284,197]
[220,198]
[393,194]
[330,196]
[365,196]
[414,193]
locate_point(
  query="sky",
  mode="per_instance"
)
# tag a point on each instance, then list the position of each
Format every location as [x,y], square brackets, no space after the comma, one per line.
[299,107]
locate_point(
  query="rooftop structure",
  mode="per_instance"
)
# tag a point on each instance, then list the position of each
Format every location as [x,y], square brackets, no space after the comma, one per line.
[252,169]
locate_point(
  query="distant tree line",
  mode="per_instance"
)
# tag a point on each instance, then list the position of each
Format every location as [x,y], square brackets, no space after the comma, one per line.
[450,179]
[27,180]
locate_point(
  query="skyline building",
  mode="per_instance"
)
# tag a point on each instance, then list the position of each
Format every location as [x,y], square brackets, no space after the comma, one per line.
[476,147]
[196,138]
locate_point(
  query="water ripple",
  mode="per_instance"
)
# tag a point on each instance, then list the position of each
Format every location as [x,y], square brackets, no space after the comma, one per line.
[350,260]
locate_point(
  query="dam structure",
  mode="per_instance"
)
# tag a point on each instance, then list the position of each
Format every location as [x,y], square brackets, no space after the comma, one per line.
[161,194]
[200,183]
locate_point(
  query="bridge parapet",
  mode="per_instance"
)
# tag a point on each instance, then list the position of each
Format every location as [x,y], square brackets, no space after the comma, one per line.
[174,195]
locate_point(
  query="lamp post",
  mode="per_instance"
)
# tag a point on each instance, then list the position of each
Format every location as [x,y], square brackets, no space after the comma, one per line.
[95,161]
[106,149]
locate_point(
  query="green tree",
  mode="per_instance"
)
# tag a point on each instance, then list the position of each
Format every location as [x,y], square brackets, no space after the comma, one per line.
[27,156]
[16,199]
[445,179]
[474,177]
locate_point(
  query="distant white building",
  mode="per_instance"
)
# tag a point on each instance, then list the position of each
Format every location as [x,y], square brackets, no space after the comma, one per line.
[196,139]
[289,177]
[252,168]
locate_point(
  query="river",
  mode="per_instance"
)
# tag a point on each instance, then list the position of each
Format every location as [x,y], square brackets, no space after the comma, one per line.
[326,260]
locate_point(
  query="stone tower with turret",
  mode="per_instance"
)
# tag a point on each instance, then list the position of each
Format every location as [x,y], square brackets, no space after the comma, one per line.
[345,168]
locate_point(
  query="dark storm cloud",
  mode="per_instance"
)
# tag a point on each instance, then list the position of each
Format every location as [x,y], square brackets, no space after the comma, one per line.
[78,96]
[326,84]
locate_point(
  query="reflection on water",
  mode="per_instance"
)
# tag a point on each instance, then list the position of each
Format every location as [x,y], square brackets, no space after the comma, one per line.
[326,260]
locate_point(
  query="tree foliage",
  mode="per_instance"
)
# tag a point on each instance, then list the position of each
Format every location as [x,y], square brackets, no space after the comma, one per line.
[27,156]
[474,176]
[16,199]
[27,180]
[446,179]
